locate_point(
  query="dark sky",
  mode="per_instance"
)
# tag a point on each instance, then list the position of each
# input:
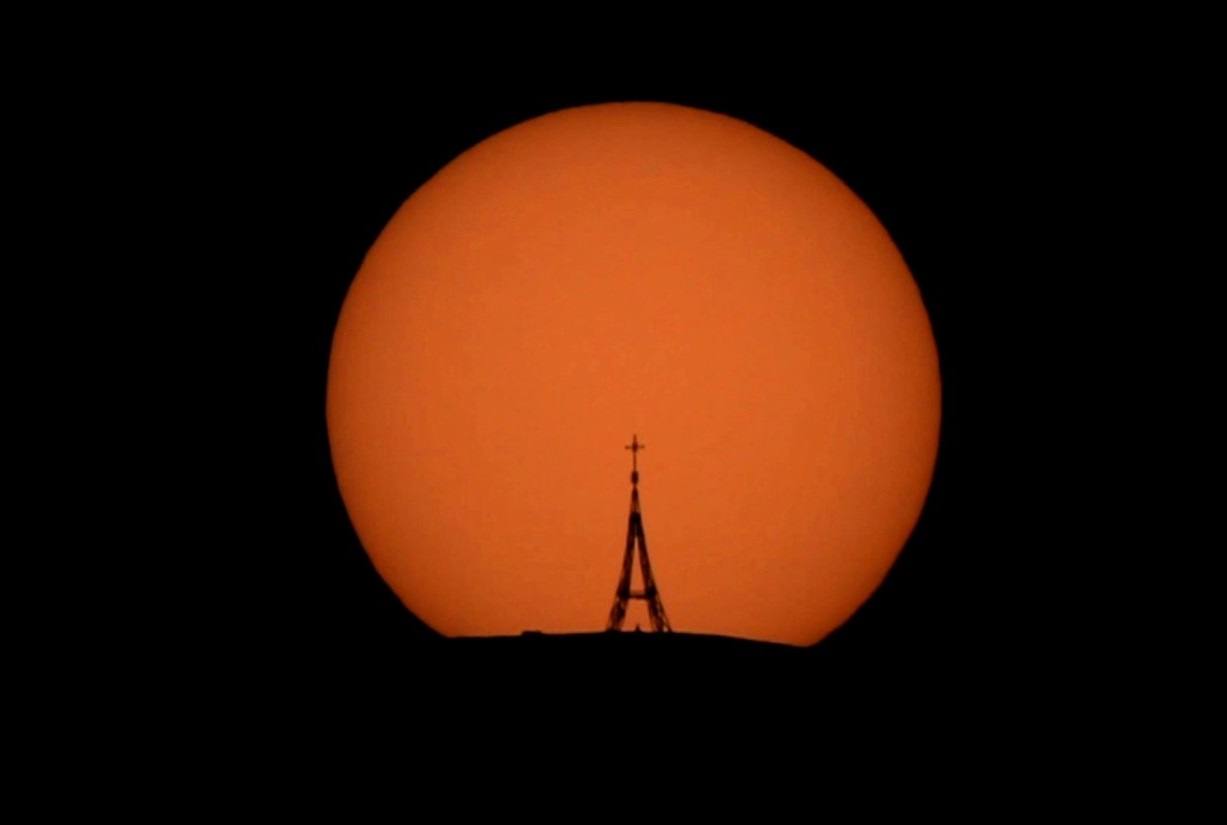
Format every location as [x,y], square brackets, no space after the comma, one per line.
[954,170]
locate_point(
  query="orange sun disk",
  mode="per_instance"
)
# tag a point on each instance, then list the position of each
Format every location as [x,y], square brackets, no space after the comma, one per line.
[634,268]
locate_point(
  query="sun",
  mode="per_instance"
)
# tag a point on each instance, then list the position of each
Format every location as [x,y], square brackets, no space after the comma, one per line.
[619,269]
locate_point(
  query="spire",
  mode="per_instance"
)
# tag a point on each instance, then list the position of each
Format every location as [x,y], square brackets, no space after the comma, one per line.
[635,537]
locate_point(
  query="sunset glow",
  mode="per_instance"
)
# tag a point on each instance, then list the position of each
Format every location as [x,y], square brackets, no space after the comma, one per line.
[627,269]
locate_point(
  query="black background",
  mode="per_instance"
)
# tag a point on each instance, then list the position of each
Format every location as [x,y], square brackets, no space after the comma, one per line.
[301,177]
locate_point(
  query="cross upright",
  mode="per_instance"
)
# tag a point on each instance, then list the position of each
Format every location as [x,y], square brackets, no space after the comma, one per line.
[635,447]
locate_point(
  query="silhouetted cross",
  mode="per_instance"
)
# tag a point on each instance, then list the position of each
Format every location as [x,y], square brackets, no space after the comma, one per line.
[634,447]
